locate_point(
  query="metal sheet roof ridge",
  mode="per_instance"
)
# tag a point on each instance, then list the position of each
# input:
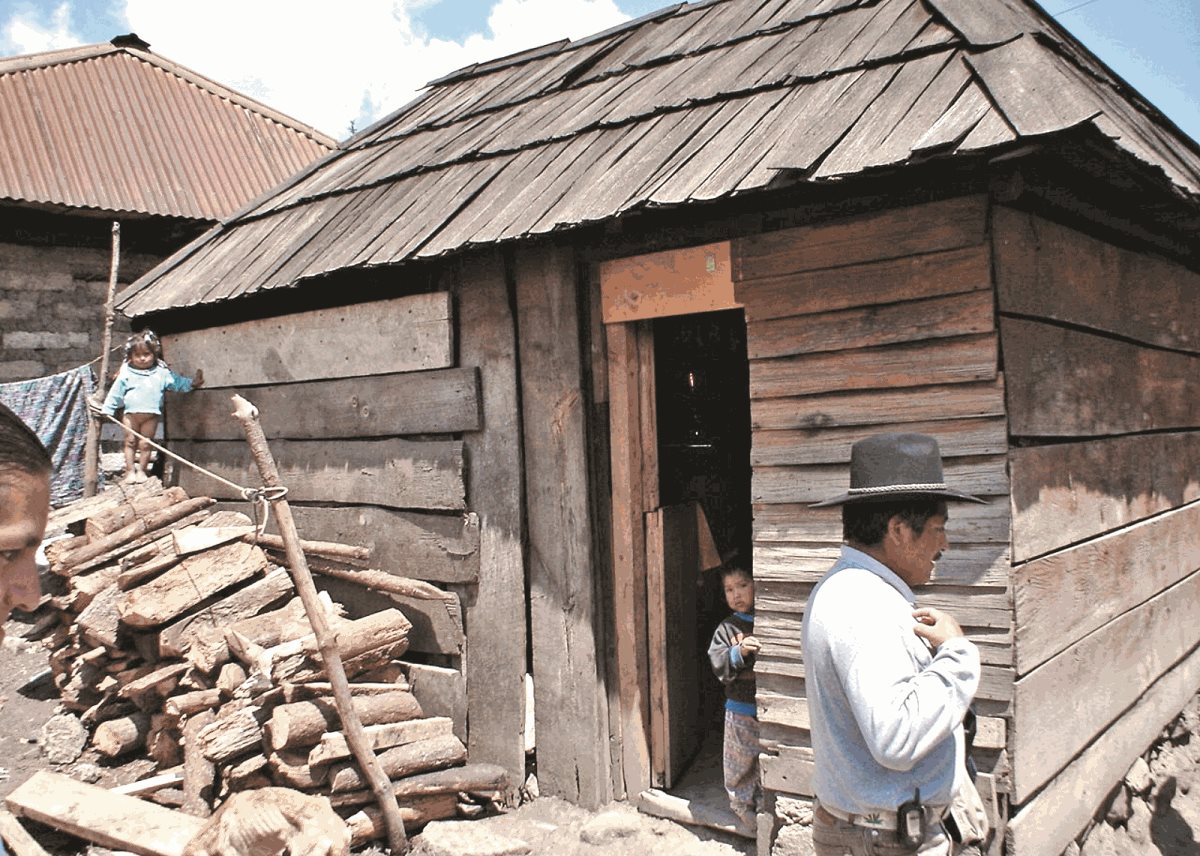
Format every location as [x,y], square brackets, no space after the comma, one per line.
[63,56]
[222,91]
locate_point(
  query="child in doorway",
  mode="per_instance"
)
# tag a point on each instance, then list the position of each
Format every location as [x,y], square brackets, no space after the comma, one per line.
[138,394]
[732,653]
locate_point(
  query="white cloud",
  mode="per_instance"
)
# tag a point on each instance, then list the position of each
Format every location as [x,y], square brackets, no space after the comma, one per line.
[331,64]
[24,33]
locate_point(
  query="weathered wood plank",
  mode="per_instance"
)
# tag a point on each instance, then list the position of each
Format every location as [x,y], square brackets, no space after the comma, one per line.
[962,565]
[111,820]
[1061,598]
[393,473]
[495,660]
[569,703]
[440,692]
[846,287]
[437,547]
[1064,383]
[968,523]
[629,550]
[1049,822]
[982,476]
[383,336]
[873,326]
[878,406]
[444,401]
[1070,492]
[961,360]
[1116,663]
[175,639]
[891,234]
[956,438]
[673,282]
[1046,270]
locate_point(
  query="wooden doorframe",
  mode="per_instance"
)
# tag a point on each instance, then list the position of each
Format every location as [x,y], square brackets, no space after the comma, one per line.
[633,446]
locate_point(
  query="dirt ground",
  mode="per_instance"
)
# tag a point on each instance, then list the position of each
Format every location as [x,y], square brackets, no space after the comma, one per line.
[547,826]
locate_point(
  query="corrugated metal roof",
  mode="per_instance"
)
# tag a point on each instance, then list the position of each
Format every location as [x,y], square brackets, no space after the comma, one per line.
[120,129]
[697,102]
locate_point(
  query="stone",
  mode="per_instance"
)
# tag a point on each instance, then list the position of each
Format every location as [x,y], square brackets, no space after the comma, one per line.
[1121,807]
[791,810]
[1138,778]
[794,840]
[1138,825]
[1072,850]
[63,738]
[464,838]
[609,826]
[1100,842]
[87,772]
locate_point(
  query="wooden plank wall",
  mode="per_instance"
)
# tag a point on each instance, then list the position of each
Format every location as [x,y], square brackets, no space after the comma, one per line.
[1101,347]
[881,322]
[371,422]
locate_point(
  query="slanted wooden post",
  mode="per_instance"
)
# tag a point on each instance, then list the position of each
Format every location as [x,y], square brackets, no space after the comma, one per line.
[91,451]
[364,753]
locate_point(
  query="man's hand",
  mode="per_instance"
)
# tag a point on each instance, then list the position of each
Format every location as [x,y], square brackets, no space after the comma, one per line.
[935,626]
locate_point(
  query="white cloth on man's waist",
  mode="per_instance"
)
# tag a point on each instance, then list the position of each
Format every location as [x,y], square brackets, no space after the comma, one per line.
[885,712]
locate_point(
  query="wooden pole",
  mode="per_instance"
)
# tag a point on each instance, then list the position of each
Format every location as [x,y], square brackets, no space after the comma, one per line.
[91,454]
[247,414]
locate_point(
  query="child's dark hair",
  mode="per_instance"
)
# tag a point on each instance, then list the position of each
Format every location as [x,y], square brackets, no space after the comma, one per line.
[731,568]
[145,339]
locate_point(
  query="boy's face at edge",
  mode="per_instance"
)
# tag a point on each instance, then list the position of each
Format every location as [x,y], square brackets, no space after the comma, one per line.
[739,591]
[24,507]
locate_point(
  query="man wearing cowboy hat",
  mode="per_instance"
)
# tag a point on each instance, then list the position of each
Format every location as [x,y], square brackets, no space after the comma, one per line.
[888,683]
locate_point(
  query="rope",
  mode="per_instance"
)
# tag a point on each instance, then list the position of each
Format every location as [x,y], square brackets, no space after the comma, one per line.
[256,496]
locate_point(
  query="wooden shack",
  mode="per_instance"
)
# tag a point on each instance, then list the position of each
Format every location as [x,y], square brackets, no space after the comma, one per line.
[519,335]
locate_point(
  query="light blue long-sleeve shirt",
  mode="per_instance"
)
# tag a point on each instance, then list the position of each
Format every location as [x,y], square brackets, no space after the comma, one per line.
[885,712]
[141,390]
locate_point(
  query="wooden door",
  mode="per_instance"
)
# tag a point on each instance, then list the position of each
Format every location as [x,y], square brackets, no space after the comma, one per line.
[672,573]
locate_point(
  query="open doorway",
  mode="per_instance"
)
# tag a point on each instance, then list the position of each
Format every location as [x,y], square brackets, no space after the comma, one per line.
[702,428]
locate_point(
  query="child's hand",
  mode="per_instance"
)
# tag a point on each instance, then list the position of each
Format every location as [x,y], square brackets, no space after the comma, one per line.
[749,645]
[198,380]
[95,404]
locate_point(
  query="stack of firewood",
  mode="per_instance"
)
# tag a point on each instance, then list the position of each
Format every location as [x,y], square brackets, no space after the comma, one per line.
[181,639]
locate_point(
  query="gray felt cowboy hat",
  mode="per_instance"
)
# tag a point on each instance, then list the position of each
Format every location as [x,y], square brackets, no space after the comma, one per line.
[896,466]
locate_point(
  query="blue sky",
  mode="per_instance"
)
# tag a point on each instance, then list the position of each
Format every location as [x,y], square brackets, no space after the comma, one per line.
[373,56]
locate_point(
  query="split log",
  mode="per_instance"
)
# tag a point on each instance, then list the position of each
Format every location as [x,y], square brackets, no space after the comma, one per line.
[385,735]
[197,539]
[118,736]
[125,539]
[483,780]
[366,824]
[84,587]
[118,517]
[164,553]
[321,549]
[303,723]
[149,690]
[114,495]
[94,814]
[292,769]
[233,733]
[238,775]
[175,639]
[187,704]
[134,575]
[199,774]
[162,742]
[321,689]
[123,550]
[190,583]
[363,644]
[231,676]
[100,623]
[56,550]
[401,761]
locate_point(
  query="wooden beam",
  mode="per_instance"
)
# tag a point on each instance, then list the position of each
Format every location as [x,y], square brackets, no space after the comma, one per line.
[671,282]
[414,474]
[495,658]
[94,814]
[568,682]
[285,348]
[442,401]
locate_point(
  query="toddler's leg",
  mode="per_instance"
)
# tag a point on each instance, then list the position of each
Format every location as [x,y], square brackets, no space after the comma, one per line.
[741,765]
[129,447]
[147,427]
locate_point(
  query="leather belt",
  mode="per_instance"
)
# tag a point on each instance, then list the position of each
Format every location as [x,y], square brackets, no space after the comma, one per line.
[876,819]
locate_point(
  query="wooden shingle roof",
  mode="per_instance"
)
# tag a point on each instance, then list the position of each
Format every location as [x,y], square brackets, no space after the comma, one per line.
[115,128]
[695,102]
